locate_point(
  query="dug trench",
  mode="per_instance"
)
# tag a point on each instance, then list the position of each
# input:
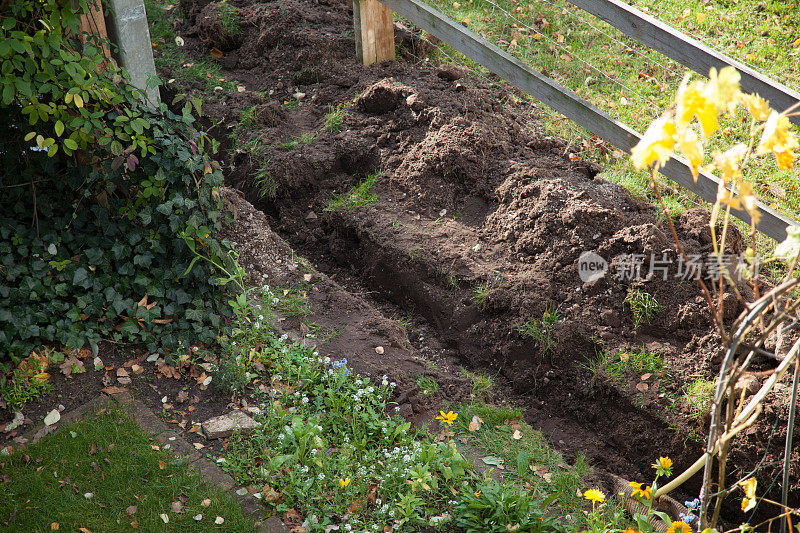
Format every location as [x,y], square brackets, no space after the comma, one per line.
[439,194]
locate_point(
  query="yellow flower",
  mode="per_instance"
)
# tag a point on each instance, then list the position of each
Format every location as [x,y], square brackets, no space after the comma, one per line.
[665,462]
[631,530]
[656,145]
[447,418]
[344,482]
[749,487]
[679,527]
[595,496]
[638,491]
[478,494]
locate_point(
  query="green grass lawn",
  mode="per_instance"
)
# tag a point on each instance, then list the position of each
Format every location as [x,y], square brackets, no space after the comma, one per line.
[635,84]
[104,474]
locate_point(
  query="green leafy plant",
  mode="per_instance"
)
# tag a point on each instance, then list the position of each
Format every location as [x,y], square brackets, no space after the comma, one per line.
[99,194]
[643,306]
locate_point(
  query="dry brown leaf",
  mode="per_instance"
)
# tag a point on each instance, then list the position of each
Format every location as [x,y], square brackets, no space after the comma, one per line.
[85,530]
[54,526]
[131,510]
[162,465]
[641,387]
[177,507]
[216,53]
[645,377]
[206,502]
[113,389]
[517,434]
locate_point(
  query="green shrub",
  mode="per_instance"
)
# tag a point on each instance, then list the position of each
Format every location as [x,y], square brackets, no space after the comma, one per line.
[99,197]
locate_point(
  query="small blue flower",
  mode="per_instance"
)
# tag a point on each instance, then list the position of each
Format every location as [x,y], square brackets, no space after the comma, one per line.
[693,504]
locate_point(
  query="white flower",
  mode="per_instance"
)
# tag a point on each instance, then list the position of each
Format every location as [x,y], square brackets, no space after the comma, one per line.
[393,384]
[314,452]
[321,476]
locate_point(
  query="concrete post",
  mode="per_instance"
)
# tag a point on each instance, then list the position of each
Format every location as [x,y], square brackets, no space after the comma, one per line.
[128,28]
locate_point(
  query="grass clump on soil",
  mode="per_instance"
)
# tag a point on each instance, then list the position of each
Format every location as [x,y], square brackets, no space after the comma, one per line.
[618,365]
[305,138]
[643,306]
[105,474]
[428,385]
[359,196]
[482,383]
[334,118]
[480,293]
[541,329]
[229,19]
[267,186]
[698,396]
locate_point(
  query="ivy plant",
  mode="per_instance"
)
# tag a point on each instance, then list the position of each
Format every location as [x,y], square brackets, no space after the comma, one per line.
[100,193]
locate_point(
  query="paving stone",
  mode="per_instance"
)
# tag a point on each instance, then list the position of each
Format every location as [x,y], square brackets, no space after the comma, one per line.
[273,524]
[143,416]
[211,473]
[223,426]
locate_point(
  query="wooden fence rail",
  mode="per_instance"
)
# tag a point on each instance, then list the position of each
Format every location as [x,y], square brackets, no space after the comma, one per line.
[563,100]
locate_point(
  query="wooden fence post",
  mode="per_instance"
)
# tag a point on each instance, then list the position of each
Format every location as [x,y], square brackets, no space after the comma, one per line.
[374,31]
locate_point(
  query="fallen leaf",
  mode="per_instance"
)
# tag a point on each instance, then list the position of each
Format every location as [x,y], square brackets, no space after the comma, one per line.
[270,495]
[164,517]
[54,526]
[517,434]
[307,277]
[131,510]
[219,520]
[198,446]
[136,369]
[548,477]
[206,502]
[641,387]
[645,377]
[492,460]
[85,530]
[216,53]
[198,517]
[177,507]
[162,465]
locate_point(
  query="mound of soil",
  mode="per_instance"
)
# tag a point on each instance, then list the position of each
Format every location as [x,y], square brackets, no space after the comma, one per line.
[477,225]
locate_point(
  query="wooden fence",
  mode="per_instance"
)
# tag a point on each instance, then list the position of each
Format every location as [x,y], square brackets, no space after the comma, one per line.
[639,26]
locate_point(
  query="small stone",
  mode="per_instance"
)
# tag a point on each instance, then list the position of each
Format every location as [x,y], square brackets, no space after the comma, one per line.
[52,417]
[311,215]
[219,520]
[299,95]
[242,492]
[88,495]
[61,408]
[223,426]
[379,350]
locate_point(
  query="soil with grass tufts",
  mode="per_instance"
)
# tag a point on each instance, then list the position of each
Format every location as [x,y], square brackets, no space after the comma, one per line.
[471,197]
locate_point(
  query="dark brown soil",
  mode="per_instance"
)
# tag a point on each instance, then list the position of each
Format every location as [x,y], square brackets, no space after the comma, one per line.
[471,197]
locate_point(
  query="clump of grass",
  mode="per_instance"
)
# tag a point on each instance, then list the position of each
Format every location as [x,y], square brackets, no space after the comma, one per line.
[482,383]
[453,283]
[334,119]
[541,329]
[698,395]
[643,306]
[100,456]
[229,20]
[293,300]
[428,385]
[480,293]
[305,138]
[230,375]
[247,117]
[267,186]
[618,365]
[359,196]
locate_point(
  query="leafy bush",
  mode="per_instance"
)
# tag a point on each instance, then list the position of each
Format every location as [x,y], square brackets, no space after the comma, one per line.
[99,197]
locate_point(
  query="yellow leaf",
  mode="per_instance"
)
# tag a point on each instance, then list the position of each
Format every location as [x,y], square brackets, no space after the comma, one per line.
[757,107]
[749,201]
[728,162]
[162,465]
[692,102]
[796,43]
[78,100]
[692,147]
[701,17]
[656,145]
[723,88]
[42,376]
[54,526]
